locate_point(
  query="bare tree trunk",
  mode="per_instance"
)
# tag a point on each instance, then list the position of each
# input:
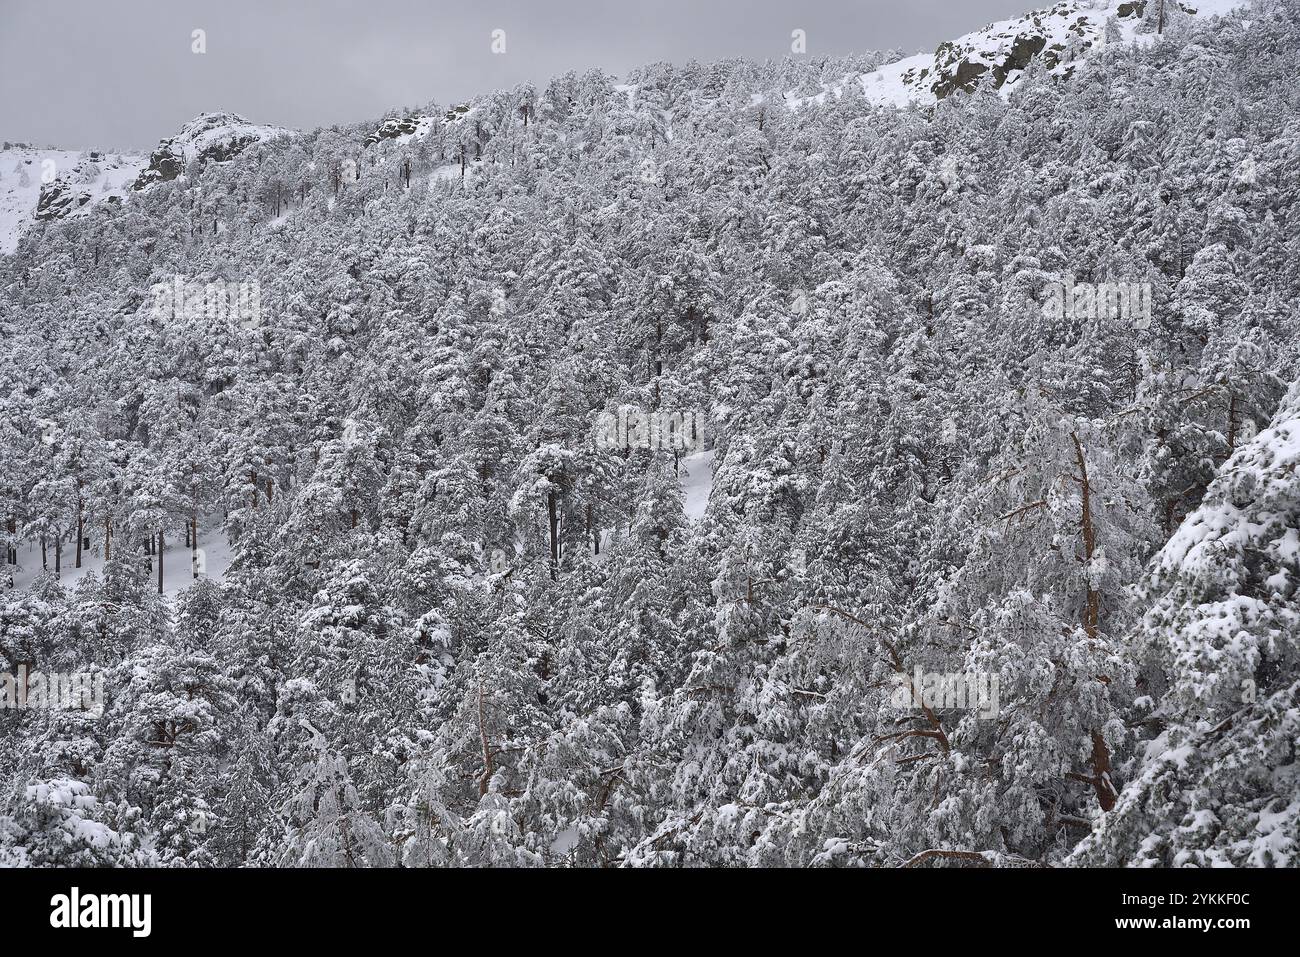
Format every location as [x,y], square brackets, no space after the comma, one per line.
[553,516]
[486,777]
[1234,423]
[160,561]
[194,545]
[1102,784]
[108,539]
[1100,779]
[81,522]
[1092,605]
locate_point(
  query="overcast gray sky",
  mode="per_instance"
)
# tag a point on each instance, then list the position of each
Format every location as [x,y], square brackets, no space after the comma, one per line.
[83,73]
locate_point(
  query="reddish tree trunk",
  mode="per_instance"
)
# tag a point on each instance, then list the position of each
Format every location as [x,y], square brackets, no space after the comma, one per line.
[1100,780]
[553,516]
[81,523]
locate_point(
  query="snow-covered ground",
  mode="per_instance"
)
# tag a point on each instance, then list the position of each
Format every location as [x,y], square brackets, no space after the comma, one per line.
[697,483]
[214,559]
[450,171]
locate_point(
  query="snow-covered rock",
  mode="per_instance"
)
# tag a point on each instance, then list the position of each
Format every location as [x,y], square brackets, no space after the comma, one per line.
[1058,38]
[402,130]
[209,137]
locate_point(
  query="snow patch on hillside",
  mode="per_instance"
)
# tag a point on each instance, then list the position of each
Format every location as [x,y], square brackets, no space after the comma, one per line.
[697,483]
[214,549]
[78,181]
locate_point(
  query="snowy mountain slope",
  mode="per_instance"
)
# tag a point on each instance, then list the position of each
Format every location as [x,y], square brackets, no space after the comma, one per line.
[428,549]
[40,185]
[1057,37]
[44,184]
[1233,573]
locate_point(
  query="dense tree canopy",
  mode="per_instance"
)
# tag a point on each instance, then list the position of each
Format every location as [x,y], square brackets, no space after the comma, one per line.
[455,630]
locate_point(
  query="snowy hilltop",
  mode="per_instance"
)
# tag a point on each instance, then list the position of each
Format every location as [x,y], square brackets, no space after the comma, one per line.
[1055,41]
[209,138]
[41,185]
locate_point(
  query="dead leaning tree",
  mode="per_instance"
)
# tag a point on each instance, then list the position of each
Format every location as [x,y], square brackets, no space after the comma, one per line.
[1100,779]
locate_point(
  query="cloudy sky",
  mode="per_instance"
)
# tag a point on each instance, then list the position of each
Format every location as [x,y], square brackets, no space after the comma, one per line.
[82,73]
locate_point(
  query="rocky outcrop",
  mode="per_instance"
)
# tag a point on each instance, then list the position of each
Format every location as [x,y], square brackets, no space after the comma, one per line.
[392,129]
[165,164]
[58,199]
[1054,35]
[1058,38]
[962,71]
[209,138]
